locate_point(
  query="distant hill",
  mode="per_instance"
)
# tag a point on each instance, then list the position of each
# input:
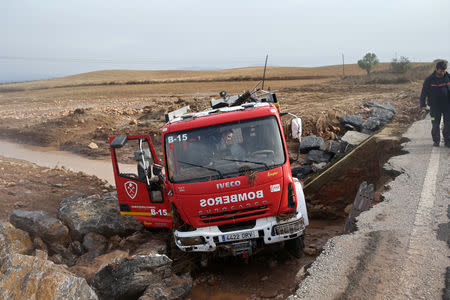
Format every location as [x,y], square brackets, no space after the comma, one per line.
[116,77]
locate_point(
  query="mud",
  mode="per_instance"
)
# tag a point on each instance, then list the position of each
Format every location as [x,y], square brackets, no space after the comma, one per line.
[268,274]
[53,158]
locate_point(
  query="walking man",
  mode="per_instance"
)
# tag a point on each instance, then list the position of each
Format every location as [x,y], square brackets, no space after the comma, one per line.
[436,88]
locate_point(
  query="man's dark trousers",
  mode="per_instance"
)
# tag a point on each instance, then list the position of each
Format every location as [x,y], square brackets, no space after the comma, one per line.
[437,112]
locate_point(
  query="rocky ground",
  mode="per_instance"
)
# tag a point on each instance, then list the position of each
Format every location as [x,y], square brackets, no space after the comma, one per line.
[72,118]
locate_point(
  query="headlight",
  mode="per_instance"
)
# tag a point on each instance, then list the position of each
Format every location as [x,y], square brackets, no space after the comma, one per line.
[189,241]
[288,228]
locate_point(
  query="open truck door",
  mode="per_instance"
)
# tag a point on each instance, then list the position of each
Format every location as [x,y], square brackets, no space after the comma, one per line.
[139,182]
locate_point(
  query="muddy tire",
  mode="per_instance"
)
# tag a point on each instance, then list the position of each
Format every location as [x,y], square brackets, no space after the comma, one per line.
[295,246]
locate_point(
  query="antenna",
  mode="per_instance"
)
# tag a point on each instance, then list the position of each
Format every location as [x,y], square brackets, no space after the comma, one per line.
[264,74]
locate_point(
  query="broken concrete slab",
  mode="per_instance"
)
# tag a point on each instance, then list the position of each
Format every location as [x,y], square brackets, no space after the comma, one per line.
[354,137]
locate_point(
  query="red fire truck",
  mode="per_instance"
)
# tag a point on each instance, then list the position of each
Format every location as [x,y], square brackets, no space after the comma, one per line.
[225,184]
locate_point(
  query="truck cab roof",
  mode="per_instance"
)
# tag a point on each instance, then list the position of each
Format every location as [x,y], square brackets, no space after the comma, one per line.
[220,115]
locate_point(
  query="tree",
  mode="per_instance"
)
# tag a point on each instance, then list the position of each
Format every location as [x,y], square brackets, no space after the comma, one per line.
[368,62]
[400,65]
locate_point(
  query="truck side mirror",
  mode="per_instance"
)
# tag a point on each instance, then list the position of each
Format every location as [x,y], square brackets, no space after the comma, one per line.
[157,169]
[296,128]
[119,141]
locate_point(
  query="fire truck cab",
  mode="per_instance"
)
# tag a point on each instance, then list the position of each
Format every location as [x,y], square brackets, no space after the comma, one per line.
[225,185]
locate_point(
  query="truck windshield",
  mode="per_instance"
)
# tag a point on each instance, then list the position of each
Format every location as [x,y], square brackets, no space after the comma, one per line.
[224,151]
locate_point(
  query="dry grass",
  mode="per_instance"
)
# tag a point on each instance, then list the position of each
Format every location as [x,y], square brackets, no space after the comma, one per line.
[114,77]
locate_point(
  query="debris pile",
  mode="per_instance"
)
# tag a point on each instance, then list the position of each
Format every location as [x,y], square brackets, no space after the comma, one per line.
[319,153]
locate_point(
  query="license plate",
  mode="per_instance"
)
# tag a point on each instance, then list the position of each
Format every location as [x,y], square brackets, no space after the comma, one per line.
[239,236]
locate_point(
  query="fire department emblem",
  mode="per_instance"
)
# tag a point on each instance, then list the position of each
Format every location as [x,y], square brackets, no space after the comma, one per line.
[131,188]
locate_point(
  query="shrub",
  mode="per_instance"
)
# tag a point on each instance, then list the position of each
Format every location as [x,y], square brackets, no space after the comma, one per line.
[368,62]
[400,65]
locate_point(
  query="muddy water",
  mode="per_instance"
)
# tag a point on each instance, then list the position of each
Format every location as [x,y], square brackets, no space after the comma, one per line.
[51,158]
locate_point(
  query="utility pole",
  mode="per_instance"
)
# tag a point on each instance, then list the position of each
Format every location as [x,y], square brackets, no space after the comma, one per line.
[343,69]
[264,74]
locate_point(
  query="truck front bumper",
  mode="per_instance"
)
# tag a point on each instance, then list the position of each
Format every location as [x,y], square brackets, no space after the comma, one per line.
[269,230]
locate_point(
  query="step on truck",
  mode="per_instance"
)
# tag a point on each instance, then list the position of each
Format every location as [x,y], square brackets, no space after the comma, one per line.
[225,182]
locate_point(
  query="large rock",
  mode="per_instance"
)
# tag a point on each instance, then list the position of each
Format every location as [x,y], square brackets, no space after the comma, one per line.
[353,120]
[131,276]
[310,142]
[41,224]
[371,125]
[332,146]
[174,287]
[382,114]
[31,277]
[317,156]
[302,171]
[354,137]
[95,214]
[13,240]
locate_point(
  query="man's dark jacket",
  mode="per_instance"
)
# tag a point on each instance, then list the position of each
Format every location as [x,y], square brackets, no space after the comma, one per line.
[437,90]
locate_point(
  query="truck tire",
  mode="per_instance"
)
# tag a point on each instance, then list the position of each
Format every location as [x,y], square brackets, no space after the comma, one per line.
[295,246]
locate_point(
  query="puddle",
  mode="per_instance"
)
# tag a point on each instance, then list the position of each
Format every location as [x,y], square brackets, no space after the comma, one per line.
[51,158]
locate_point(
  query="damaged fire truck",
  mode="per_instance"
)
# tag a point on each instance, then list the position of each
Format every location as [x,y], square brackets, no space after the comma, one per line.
[225,185]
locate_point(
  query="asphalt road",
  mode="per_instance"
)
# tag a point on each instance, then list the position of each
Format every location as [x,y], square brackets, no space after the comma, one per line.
[401,249]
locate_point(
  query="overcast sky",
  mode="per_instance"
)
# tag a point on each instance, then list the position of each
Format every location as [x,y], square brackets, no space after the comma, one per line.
[44,39]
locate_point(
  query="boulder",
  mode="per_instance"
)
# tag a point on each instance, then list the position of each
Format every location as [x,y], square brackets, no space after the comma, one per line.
[31,277]
[352,120]
[317,156]
[383,115]
[334,147]
[174,287]
[310,142]
[98,214]
[13,240]
[41,224]
[371,125]
[302,171]
[131,276]
[354,137]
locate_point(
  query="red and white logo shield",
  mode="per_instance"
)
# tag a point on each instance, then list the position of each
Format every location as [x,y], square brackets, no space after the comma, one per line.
[131,188]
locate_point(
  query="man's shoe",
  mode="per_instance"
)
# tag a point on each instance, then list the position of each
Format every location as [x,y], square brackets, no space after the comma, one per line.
[435,144]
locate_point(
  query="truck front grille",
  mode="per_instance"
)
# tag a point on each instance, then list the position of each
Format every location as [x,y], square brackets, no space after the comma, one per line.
[235,214]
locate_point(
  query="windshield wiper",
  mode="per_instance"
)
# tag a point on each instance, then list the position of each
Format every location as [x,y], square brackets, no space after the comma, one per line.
[249,161]
[200,166]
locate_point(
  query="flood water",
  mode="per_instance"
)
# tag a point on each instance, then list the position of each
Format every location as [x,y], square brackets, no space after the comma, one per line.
[52,157]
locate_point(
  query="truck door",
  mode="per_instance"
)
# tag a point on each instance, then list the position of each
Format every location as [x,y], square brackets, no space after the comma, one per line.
[140,188]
